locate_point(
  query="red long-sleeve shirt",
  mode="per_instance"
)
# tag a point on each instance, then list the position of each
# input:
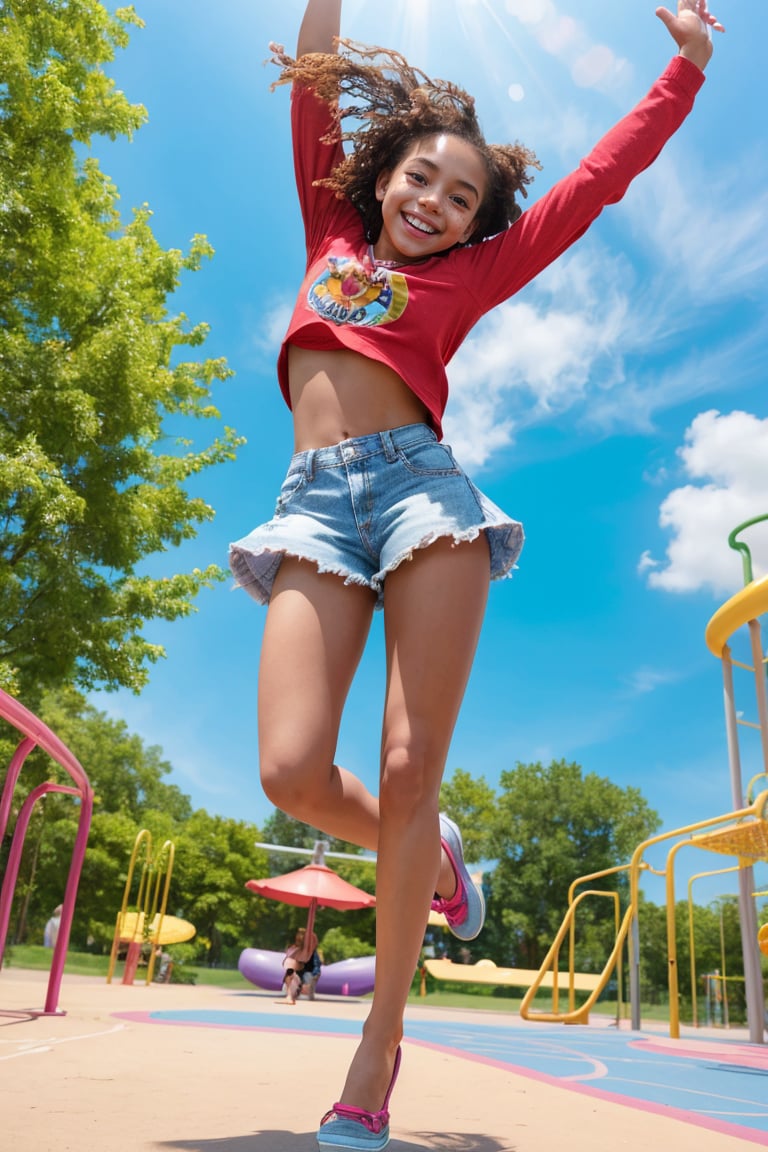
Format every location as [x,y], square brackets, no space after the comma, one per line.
[414,318]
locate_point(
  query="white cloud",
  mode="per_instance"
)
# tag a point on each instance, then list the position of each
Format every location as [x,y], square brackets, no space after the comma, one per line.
[712,242]
[645,680]
[614,344]
[646,562]
[528,359]
[272,327]
[728,454]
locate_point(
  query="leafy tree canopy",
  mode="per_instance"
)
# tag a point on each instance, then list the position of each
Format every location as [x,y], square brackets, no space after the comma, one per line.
[546,827]
[471,802]
[92,370]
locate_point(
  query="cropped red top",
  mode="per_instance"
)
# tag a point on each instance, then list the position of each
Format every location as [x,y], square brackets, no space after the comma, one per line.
[415,317]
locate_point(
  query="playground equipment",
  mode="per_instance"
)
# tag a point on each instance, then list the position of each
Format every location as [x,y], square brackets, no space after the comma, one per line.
[147,925]
[487,972]
[34,733]
[313,886]
[354,977]
[741,833]
[744,610]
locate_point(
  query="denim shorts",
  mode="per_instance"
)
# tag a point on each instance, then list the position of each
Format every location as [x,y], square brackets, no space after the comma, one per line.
[361,507]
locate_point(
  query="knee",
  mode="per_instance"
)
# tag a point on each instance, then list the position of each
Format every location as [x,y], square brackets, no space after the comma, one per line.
[407,783]
[271,780]
[286,785]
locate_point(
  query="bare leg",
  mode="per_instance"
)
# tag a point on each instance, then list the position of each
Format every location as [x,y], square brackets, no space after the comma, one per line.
[314,637]
[291,987]
[313,640]
[434,606]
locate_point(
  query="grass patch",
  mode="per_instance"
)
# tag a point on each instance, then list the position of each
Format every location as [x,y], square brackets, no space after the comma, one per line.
[38,958]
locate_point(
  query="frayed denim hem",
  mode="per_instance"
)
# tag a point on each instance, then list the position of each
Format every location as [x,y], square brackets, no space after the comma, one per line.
[255,570]
[360,508]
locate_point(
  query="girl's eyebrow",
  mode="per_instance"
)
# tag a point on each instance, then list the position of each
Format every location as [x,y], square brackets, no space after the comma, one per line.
[436,168]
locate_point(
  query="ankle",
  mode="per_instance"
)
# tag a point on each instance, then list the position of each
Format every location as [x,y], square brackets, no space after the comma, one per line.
[370,1075]
[382,1039]
[447,884]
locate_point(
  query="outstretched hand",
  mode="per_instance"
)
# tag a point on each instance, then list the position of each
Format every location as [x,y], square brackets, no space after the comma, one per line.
[690,29]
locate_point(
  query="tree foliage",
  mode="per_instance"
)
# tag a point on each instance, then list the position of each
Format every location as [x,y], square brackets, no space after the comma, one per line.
[129,793]
[542,829]
[213,856]
[93,370]
[717,950]
[471,802]
[546,827]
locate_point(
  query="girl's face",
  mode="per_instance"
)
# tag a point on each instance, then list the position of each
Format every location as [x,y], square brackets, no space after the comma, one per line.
[430,199]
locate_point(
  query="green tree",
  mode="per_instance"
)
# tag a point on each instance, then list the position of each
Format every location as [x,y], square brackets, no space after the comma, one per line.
[471,802]
[549,827]
[129,794]
[215,856]
[95,391]
[126,774]
[654,961]
[105,870]
[282,829]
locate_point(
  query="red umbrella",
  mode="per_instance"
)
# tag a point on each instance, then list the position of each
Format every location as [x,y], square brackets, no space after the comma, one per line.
[313,885]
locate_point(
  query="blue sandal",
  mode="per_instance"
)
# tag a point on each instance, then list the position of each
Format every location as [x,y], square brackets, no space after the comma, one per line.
[355,1129]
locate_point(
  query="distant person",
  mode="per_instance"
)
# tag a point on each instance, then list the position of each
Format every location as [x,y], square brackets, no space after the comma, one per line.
[163,965]
[298,957]
[51,930]
[311,974]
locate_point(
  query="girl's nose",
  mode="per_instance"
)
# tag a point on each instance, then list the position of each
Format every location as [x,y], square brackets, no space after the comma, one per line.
[430,201]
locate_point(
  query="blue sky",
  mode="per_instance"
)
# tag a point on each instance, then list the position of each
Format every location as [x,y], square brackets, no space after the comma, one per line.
[617,406]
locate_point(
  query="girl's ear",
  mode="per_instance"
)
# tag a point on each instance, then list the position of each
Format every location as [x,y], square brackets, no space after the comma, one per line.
[382,183]
[468,231]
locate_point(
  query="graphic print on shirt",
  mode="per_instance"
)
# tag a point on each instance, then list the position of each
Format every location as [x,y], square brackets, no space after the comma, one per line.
[349,293]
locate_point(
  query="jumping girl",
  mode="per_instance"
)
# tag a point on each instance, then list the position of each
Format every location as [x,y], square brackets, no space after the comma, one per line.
[412,236]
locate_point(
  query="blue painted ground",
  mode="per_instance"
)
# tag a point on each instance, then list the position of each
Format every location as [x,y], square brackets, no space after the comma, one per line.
[715,1083]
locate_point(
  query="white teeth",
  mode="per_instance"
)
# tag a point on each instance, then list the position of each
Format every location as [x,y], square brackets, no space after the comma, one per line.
[420,225]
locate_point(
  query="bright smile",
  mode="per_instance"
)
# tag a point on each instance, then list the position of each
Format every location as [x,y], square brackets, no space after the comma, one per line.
[419,225]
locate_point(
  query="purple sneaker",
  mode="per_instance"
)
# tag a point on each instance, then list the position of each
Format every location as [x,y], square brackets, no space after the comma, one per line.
[465,911]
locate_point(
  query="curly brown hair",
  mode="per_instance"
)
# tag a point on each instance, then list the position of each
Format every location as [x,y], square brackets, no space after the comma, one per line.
[394,106]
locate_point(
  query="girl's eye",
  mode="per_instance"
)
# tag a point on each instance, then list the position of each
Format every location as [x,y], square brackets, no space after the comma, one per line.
[462,203]
[418,177]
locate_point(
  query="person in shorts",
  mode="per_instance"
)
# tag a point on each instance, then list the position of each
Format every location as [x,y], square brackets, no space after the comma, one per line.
[414,231]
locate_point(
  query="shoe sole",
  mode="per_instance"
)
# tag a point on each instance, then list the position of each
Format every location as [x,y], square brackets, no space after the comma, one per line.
[350,1142]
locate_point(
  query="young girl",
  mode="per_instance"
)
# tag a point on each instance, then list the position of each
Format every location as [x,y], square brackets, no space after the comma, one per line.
[411,237]
[298,958]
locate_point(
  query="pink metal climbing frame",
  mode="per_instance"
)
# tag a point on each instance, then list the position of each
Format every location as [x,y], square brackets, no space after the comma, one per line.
[35,734]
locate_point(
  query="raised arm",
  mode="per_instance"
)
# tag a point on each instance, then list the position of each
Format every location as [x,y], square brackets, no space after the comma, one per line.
[321,23]
[690,29]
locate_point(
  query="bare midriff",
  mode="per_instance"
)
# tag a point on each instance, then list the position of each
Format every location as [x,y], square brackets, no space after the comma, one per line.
[337,395]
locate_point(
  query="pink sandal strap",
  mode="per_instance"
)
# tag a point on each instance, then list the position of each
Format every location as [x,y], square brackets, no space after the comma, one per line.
[456,903]
[375,1122]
